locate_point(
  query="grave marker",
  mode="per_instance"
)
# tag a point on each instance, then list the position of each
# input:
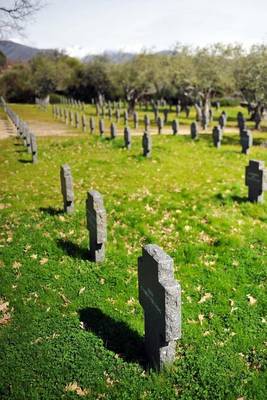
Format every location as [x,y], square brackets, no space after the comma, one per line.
[256,180]
[67,188]
[217,136]
[96,225]
[246,140]
[147,144]
[33,148]
[127,138]
[160,297]
[194,130]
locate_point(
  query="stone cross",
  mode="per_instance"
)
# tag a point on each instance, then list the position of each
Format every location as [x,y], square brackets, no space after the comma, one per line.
[127,138]
[33,148]
[256,180]
[175,126]
[160,124]
[160,297]
[217,136]
[96,225]
[194,130]
[147,144]
[246,140]
[113,131]
[67,188]
[101,127]
[135,119]
[92,124]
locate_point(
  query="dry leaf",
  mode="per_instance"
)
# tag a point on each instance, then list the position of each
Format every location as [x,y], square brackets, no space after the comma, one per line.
[3,306]
[34,256]
[16,265]
[44,261]
[201,318]
[102,281]
[207,296]
[73,387]
[81,290]
[252,301]
[5,320]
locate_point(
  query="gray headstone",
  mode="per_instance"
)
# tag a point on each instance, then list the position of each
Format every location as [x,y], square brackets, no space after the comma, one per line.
[117,115]
[77,120]
[34,148]
[113,131]
[101,127]
[127,138]
[146,122]
[160,124]
[217,136]
[92,124]
[135,119]
[160,297]
[28,142]
[241,122]
[96,225]
[84,123]
[165,113]
[67,188]
[246,140]
[175,126]
[222,121]
[256,180]
[147,144]
[194,130]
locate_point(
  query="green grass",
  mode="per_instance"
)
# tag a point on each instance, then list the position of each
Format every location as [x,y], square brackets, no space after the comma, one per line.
[190,199]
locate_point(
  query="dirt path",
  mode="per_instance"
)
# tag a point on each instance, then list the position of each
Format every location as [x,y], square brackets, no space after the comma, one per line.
[6,128]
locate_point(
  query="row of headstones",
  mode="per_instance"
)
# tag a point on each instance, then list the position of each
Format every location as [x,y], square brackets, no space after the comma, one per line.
[23,131]
[159,292]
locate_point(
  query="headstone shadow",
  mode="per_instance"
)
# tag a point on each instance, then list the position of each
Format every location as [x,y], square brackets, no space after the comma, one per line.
[73,250]
[117,336]
[51,210]
[239,199]
[25,161]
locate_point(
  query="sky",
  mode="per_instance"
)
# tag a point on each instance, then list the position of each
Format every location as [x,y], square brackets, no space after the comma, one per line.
[93,26]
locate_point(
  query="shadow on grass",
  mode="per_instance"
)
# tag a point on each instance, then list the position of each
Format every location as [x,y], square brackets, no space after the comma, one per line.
[239,199]
[117,336]
[25,161]
[73,250]
[225,200]
[51,210]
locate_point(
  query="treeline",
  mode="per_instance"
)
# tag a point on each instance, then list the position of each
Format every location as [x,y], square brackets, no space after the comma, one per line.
[187,74]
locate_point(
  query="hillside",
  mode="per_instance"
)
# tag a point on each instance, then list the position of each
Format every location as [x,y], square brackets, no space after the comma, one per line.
[19,52]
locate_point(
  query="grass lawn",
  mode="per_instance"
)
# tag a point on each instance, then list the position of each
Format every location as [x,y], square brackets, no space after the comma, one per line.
[70,328]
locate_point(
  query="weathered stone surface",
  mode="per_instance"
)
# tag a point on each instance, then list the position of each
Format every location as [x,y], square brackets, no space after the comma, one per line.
[28,142]
[67,188]
[222,121]
[160,297]
[147,144]
[34,148]
[217,136]
[84,123]
[256,180]
[127,138]
[246,140]
[194,130]
[166,114]
[96,225]
[241,122]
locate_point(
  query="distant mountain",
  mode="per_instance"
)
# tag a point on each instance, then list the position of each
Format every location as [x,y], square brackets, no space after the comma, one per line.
[19,52]
[116,57]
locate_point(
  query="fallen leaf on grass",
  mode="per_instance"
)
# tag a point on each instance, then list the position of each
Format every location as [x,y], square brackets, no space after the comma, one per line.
[73,387]
[16,265]
[43,261]
[5,320]
[207,296]
[201,318]
[34,256]
[81,290]
[252,301]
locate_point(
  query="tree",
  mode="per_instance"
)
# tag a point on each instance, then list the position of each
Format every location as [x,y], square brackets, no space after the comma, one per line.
[14,14]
